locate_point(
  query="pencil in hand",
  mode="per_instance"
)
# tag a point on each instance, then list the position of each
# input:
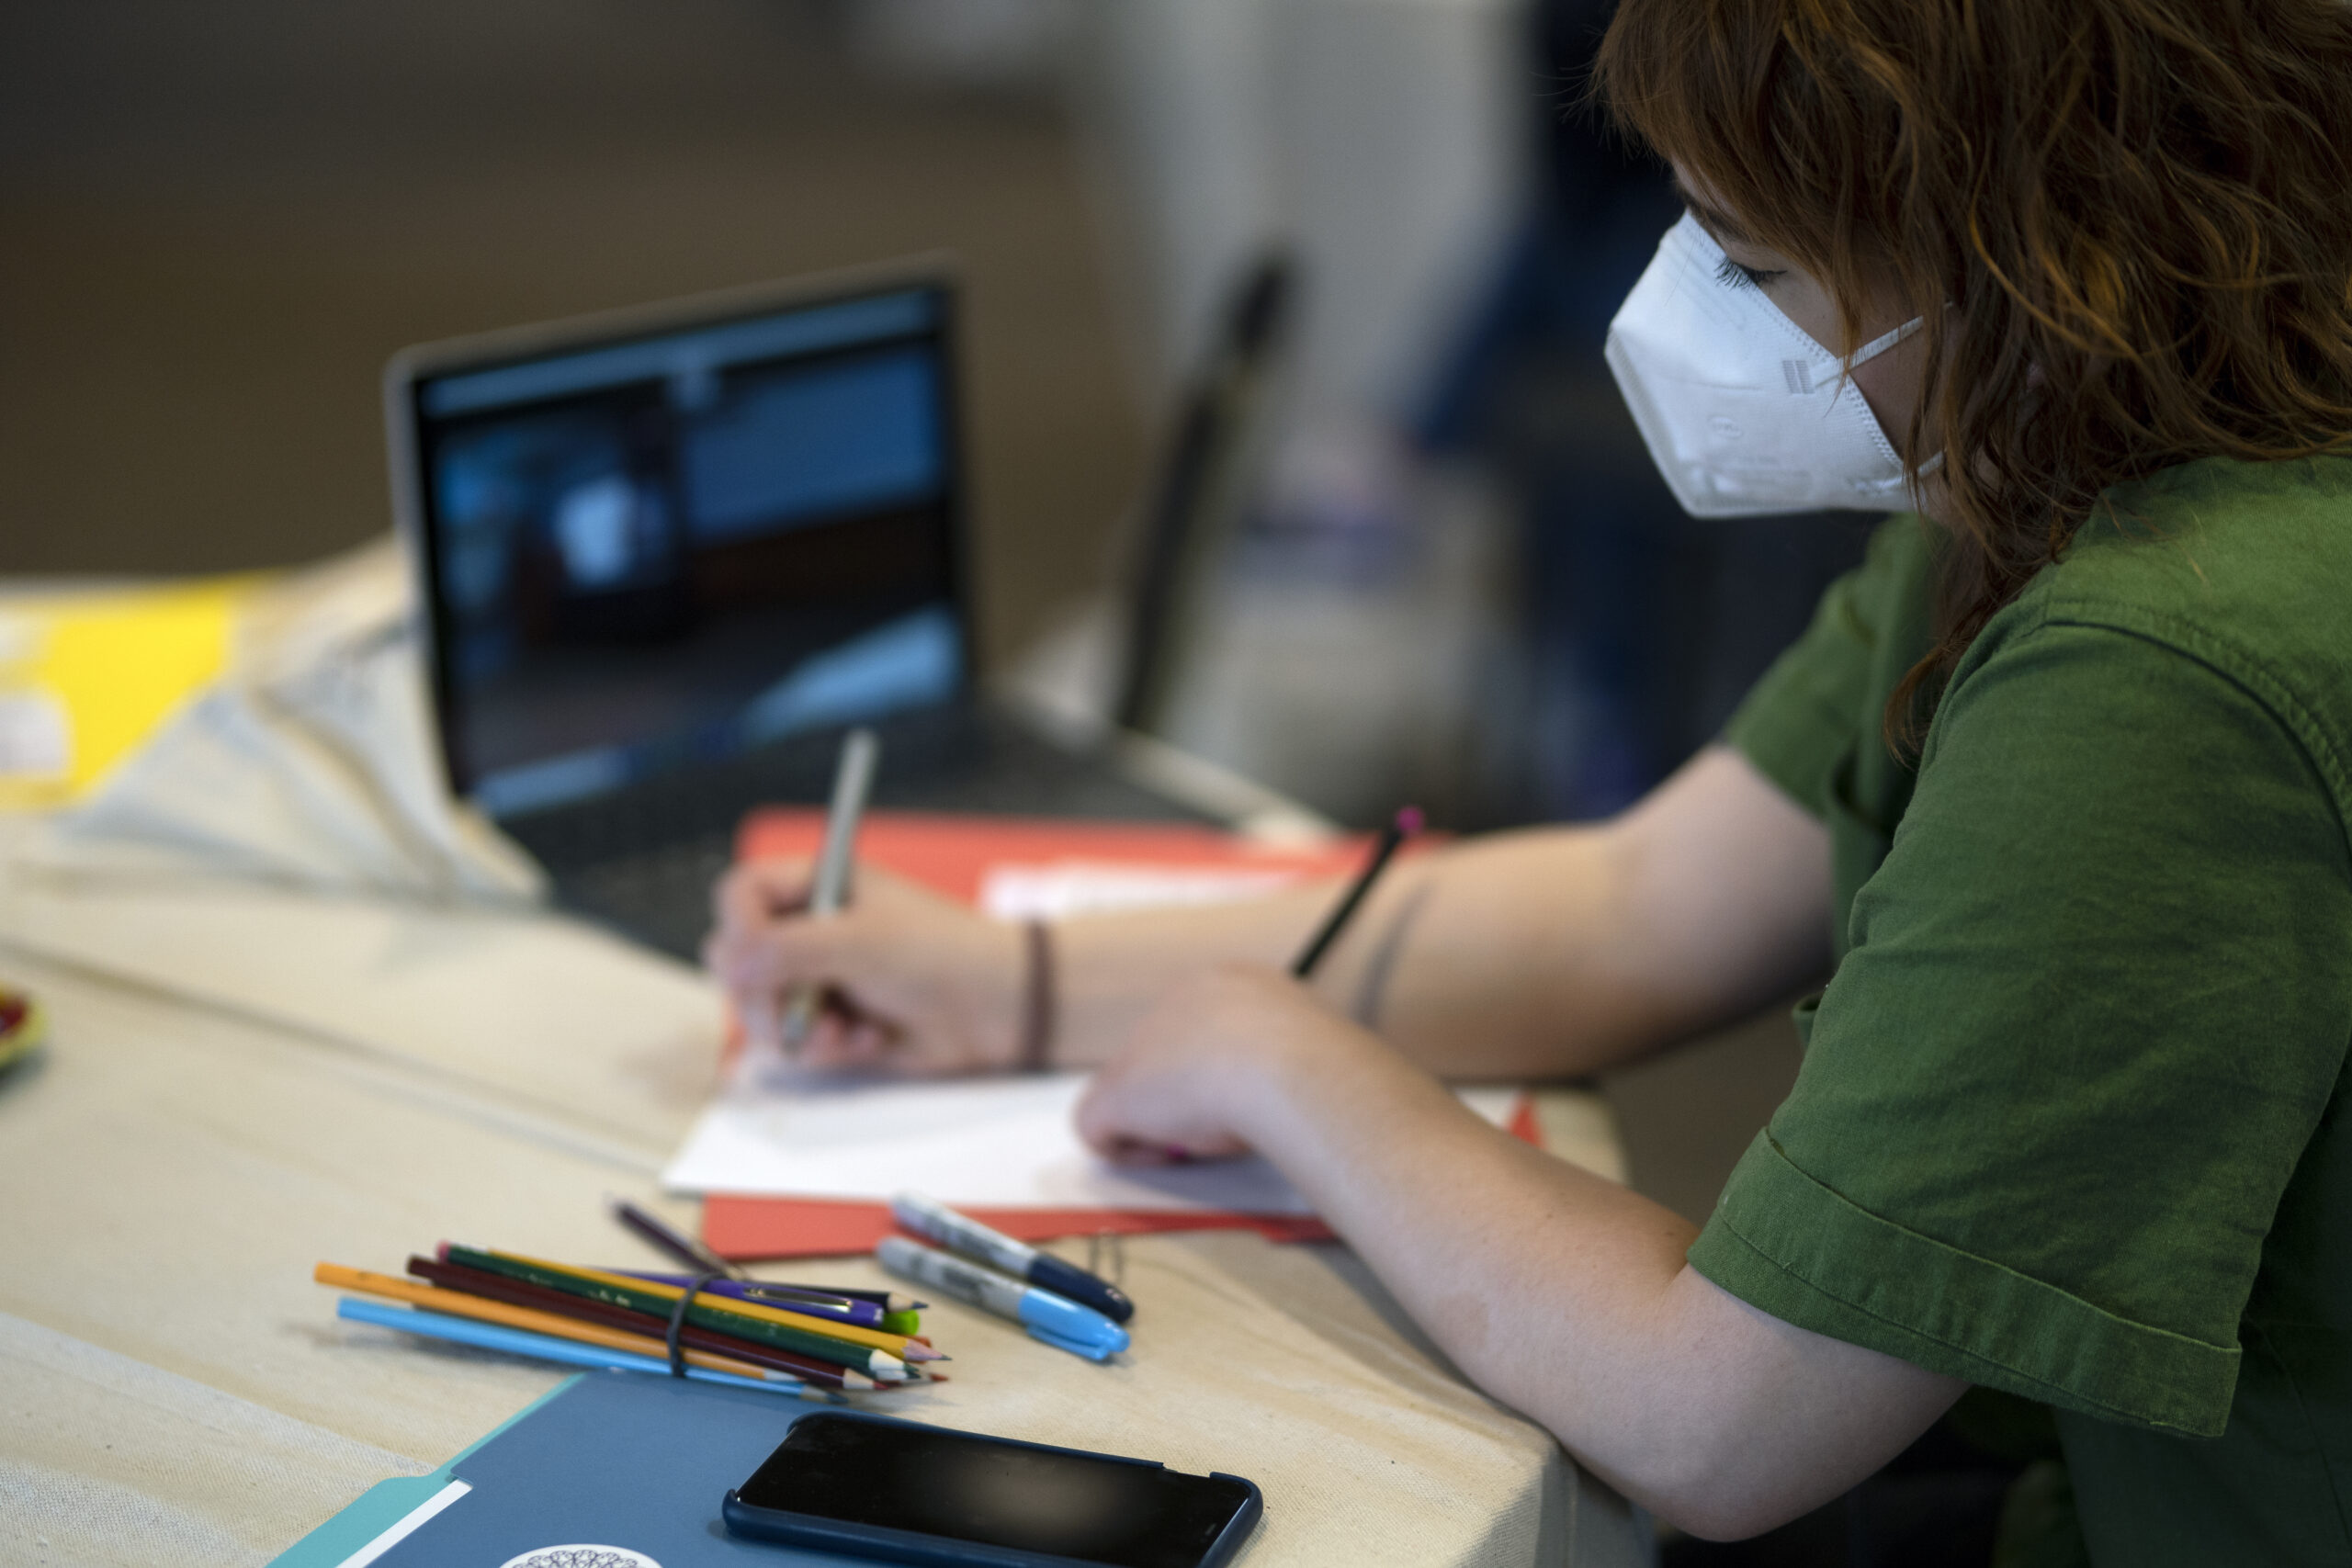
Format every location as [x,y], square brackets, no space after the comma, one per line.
[829,889]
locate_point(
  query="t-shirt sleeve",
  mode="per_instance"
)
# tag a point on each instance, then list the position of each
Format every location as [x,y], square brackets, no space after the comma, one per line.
[2096,1002]
[1798,720]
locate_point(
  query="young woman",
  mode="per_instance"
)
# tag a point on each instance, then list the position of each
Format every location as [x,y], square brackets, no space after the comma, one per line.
[2055,790]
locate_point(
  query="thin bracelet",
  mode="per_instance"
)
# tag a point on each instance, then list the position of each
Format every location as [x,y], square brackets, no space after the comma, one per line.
[1037,1000]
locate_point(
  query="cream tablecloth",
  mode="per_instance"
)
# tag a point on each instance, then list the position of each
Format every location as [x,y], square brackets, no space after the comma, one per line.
[243,1081]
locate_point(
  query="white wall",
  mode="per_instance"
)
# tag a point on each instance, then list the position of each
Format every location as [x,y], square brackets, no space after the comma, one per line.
[1381,138]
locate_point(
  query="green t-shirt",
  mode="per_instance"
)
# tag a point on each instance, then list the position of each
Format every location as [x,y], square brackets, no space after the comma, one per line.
[2071,1117]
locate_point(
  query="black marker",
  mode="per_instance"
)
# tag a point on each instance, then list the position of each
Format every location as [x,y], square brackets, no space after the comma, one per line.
[960,1234]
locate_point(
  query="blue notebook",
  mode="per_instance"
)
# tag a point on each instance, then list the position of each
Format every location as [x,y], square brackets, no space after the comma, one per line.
[634,1464]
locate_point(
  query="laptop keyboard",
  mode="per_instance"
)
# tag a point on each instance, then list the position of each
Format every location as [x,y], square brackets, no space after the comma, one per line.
[661,898]
[642,861]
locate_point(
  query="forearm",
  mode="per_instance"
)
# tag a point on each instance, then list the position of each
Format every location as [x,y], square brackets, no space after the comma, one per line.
[1111,969]
[1506,956]
[1546,953]
[1525,1271]
[1515,954]
[1567,1297]
[1558,952]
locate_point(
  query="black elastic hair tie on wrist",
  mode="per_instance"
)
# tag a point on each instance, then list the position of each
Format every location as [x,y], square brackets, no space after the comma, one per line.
[678,1321]
[1037,1000]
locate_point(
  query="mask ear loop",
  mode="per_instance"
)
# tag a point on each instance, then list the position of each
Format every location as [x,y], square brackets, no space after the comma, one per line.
[1870,351]
[1880,344]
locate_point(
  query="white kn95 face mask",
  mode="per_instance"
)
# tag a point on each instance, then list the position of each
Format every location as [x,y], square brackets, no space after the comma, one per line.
[1744,414]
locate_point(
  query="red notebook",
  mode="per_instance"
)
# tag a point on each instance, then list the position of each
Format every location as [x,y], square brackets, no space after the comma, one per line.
[957,855]
[954,854]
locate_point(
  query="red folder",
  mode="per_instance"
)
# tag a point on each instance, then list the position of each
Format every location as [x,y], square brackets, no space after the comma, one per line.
[954,855]
[740,1228]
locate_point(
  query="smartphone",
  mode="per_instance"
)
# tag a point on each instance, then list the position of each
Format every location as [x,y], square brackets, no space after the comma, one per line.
[901,1492]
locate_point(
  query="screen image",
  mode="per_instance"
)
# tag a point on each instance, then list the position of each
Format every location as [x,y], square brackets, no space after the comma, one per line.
[970,1488]
[681,546]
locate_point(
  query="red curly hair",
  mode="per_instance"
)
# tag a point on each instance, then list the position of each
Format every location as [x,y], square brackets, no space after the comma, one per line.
[2139,213]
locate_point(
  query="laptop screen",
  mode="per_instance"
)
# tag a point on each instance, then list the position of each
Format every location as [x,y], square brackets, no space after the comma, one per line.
[675,546]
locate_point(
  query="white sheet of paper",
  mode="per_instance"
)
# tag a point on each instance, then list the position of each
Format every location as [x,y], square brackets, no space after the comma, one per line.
[980,1142]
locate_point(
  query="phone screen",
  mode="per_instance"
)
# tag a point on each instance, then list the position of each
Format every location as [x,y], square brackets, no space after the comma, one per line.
[978,1489]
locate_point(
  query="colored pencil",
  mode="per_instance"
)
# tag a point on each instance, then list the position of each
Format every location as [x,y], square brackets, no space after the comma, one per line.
[873,1353]
[542,1298]
[546,1348]
[1401,826]
[457,1303]
[701,1259]
[888,1300]
[685,1248]
[802,1298]
[785,1318]
[654,1296]
[839,1309]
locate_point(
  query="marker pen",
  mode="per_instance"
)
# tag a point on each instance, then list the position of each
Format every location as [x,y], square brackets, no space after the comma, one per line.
[962,1234]
[1062,1323]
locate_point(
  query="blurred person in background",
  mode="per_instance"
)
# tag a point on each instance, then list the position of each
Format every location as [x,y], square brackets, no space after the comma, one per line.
[1641,626]
[2054,792]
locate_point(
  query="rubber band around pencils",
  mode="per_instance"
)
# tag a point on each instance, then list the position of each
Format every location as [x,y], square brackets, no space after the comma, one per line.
[678,1320]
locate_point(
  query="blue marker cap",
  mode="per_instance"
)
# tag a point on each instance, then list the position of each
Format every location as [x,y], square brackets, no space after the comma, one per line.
[1075,1328]
[1089,1352]
[1073,1283]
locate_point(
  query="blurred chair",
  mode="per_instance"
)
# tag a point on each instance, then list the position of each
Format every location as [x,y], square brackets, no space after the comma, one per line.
[1188,519]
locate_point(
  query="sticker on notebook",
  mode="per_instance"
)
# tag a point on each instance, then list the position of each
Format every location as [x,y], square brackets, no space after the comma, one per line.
[581,1556]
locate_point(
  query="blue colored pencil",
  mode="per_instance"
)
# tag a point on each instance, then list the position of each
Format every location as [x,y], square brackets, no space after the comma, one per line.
[547,1347]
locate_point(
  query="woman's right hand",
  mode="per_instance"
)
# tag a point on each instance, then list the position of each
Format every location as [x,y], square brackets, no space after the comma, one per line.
[913,983]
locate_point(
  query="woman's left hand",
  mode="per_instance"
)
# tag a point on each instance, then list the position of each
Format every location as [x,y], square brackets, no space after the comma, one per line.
[1213,1066]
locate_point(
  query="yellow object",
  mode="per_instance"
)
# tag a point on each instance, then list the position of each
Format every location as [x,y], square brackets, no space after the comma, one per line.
[84,678]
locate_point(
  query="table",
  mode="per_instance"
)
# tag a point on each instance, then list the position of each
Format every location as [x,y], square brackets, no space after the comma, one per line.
[241,1081]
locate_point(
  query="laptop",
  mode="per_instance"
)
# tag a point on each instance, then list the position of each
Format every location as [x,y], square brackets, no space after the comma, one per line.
[667,557]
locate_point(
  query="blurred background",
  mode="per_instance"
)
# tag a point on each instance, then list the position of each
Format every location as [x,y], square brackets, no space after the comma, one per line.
[1425,558]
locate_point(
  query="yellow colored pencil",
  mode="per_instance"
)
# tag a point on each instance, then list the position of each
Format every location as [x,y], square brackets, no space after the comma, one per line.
[457,1303]
[873,1338]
